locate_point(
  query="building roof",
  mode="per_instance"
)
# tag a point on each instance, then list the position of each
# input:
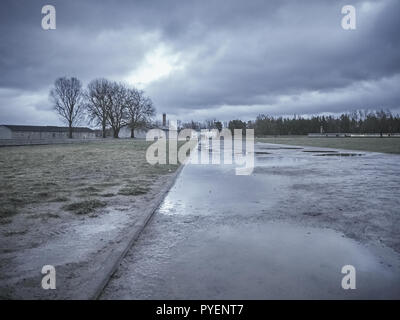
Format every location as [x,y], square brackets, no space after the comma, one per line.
[45,128]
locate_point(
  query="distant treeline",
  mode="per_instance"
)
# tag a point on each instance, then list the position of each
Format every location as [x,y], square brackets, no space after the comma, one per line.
[354,122]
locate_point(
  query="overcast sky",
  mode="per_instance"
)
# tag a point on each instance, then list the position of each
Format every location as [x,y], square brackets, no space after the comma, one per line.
[204,59]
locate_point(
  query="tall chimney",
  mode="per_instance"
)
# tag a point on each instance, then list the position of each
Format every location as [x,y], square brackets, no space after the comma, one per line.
[164,119]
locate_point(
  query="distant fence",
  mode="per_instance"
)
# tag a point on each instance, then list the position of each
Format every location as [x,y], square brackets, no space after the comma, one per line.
[354,135]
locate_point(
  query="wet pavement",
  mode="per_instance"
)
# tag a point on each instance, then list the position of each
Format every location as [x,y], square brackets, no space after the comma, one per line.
[285,231]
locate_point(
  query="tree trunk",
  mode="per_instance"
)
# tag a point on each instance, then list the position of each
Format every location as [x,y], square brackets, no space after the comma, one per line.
[104,129]
[116,133]
[132,133]
[70,131]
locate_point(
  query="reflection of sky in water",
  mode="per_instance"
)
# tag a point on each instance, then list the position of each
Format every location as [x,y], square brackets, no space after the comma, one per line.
[167,207]
[172,206]
[216,226]
[264,188]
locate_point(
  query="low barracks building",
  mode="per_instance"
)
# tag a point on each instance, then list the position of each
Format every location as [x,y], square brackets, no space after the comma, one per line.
[43,132]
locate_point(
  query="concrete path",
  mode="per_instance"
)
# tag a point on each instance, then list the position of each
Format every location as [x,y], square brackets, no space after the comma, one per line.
[285,231]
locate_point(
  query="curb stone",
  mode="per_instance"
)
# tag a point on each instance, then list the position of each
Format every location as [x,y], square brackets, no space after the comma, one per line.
[103,275]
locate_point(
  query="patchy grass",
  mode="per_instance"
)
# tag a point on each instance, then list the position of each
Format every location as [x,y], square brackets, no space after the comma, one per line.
[61,173]
[386,145]
[90,190]
[8,210]
[85,207]
[107,195]
[133,190]
[5,220]
[59,199]
[13,233]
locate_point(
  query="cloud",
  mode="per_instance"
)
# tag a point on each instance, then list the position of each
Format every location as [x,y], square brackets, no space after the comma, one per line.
[205,59]
[368,95]
[26,108]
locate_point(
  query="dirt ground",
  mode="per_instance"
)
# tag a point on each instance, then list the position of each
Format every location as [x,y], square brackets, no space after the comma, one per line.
[66,205]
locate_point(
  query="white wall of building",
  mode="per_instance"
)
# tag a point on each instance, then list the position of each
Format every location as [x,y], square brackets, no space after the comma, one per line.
[125,132]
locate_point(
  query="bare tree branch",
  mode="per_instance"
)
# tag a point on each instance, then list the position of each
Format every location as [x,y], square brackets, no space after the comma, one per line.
[67,97]
[139,108]
[97,99]
[116,107]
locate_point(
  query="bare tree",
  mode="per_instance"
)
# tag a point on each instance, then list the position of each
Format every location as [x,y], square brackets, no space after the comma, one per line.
[97,99]
[211,123]
[117,107]
[67,98]
[192,125]
[140,110]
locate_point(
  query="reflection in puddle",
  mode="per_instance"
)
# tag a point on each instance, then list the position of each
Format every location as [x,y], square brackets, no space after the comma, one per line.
[167,206]
[197,259]
[222,236]
[339,154]
[319,151]
[280,148]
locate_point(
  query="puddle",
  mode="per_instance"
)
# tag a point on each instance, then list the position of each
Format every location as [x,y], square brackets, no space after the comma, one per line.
[281,148]
[251,261]
[277,161]
[220,236]
[319,151]
[340,154]
[312,214]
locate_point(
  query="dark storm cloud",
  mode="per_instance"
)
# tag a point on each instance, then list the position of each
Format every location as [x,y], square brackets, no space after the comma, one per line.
[302,52]
[235,58]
